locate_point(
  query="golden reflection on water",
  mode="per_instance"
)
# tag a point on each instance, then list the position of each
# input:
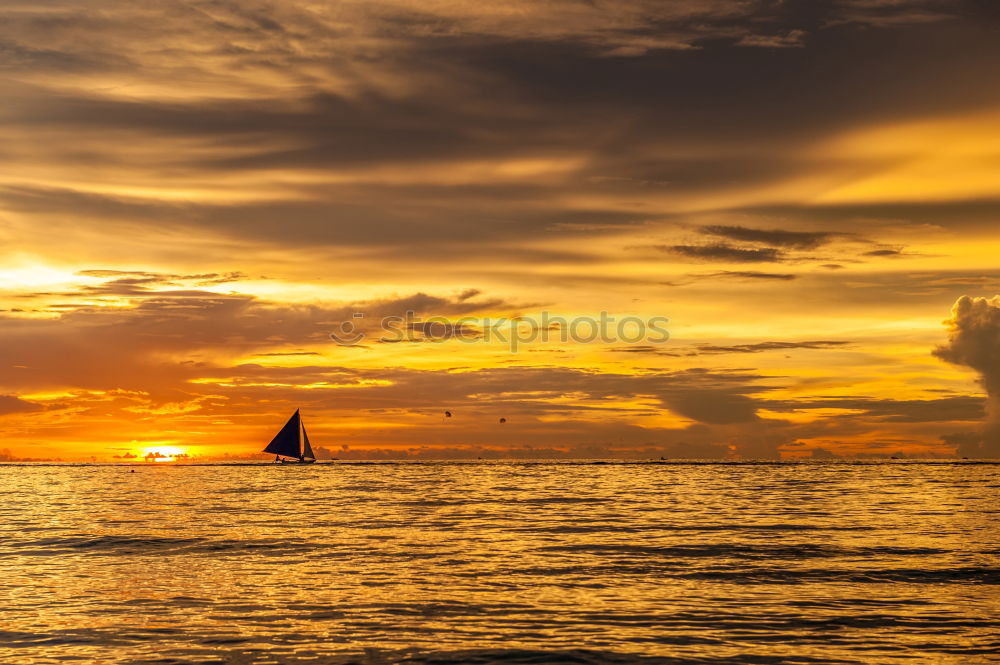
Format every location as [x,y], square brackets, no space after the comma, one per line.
[861,563]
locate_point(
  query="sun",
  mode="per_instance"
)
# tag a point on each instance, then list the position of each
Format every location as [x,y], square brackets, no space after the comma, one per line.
[162,453]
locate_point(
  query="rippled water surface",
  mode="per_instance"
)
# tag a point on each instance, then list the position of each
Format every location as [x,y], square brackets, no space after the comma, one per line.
[500,562]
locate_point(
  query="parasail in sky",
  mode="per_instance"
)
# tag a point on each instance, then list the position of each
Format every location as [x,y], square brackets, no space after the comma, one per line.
[447,414]
[503,420]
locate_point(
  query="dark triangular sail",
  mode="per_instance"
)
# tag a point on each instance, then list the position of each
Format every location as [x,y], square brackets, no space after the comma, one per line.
[307,450]
[288,441]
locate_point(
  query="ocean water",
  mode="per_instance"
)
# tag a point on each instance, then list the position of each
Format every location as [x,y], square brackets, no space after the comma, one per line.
[497,562]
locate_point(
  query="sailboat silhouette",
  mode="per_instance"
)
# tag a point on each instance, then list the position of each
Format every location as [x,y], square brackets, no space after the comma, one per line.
[291,441]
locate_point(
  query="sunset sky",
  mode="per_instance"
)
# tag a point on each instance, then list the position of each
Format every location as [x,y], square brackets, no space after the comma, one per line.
[195,194]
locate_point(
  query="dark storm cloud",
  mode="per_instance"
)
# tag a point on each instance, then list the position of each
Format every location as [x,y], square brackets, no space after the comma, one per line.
[487,85]
[790,39]
[713,349]
[700,92]
[628,28]
[725,253]
[106,348]
[11,404]
[768,346]
[772,237]
[966,443]
[713,398]
[290,353]
[945,409]
[959,214]
[162,343]
[155,277]
[152,284]
[896,12]
[438,331]
[433,217]
[974,342]
[655,350]
[714,407]
[753,274]
[923,411]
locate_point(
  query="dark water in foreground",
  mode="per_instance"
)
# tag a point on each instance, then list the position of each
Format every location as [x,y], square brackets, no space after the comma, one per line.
[500,563]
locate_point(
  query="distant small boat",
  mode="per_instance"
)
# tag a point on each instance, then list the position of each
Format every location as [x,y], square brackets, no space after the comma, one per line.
[291,441]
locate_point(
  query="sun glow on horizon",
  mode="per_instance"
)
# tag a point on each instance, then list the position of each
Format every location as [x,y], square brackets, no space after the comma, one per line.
[163,453]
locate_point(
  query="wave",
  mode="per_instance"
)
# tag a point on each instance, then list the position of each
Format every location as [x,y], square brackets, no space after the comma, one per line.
[486,656]
[746,551]
[963,575]
[751,575]
[579,657]
[654,527]
[108,545]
